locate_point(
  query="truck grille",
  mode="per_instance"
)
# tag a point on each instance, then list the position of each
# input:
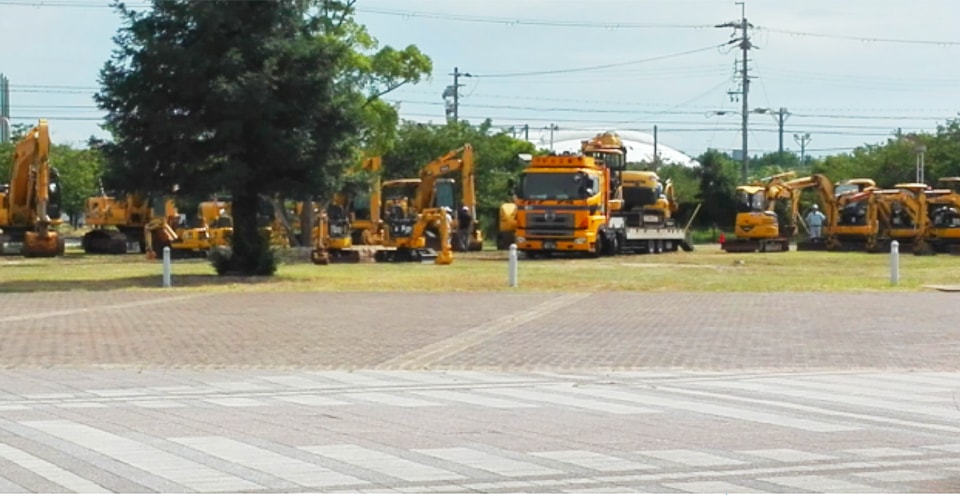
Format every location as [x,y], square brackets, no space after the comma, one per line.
[548,223]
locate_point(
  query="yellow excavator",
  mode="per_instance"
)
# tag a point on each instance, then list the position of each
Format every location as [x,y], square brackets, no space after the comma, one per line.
[903,216]
[943,206]
[30,203]
[415,211]
[350,220]
[851,211]
[757,226]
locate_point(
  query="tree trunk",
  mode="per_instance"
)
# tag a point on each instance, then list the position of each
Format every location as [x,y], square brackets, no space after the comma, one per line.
[306,222]
[251,253]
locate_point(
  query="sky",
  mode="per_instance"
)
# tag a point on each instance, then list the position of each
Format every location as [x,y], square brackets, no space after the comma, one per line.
[847,72]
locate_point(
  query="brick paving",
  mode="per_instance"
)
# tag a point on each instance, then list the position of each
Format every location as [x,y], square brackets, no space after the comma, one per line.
[498,331]
[180,391]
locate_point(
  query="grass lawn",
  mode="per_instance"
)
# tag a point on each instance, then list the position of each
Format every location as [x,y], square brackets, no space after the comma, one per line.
[706,269]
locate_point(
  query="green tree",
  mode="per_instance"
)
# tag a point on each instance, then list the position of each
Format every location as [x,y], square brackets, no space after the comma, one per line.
[79,171]
[718,180]
[495,153]
[250,98]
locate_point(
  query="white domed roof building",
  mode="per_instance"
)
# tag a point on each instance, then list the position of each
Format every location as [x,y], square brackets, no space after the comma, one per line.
[639,145]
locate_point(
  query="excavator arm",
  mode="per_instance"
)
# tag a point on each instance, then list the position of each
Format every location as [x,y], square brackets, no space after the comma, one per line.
[444,165]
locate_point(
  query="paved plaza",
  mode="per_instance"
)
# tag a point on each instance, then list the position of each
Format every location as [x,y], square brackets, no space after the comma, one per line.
[498,392]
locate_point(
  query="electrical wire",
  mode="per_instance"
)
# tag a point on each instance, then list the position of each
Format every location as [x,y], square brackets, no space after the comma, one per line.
[602,66]
[862,39]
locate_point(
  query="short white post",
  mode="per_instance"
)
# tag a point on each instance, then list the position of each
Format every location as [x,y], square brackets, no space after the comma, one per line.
[166,266]
[512,266]
[894,262]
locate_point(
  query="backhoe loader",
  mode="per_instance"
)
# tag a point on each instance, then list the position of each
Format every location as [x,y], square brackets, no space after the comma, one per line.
[757,226]
[851,212]
[30,205]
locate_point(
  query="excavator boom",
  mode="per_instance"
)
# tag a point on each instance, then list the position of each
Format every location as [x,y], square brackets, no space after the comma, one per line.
[24,213]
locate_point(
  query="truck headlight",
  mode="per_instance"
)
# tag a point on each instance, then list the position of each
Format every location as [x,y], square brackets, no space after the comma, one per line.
[580,240]
[520,239]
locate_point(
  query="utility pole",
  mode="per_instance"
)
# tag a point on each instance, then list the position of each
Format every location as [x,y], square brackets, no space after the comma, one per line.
[782,115]
[454,92]
[745,45]
[920,166]
[656,154]
[553,127]
[803,140]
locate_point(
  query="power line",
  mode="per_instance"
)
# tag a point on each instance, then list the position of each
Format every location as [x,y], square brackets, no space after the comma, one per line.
[513,21]
[863,39]
[602,66]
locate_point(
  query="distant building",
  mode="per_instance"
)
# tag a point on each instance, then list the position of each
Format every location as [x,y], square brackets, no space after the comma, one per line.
[639,145]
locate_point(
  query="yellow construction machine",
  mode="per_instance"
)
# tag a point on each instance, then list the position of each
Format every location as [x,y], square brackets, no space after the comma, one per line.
[333,239]
[757,225]
[851,211]
[30,203]
[118,222]
[365,209]
[507,225]
[414,211]
[903,216]
[644,219]
[943,207]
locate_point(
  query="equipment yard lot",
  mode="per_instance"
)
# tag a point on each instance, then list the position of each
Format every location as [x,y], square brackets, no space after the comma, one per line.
[706,269]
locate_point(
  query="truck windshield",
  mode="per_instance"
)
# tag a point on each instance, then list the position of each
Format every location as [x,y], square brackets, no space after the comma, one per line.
[562,186]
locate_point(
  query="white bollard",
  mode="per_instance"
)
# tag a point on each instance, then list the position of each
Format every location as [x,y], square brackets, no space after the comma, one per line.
[166,266]
[512,266]
[894,262]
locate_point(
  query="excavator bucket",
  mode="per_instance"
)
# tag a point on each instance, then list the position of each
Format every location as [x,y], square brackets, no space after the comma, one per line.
[36,245]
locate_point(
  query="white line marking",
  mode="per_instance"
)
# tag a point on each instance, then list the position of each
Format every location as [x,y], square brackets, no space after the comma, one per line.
[570,401]
[391,399]
[300,472]
[488,462]
[187,473]
[384,463]
[474,399]
[50,471]
[593,460]
[438,351]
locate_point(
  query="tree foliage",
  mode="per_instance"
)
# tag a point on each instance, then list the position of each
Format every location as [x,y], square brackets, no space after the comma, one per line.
[249,98]
[496,159]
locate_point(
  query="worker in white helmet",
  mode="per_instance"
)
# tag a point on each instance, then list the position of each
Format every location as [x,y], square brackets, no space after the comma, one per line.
[815,221]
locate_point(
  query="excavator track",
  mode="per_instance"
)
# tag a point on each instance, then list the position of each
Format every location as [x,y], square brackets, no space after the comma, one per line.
[403,255]
[753,246]
[104,242]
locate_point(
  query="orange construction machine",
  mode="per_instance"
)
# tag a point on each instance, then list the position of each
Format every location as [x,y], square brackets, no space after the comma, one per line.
[30,203]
